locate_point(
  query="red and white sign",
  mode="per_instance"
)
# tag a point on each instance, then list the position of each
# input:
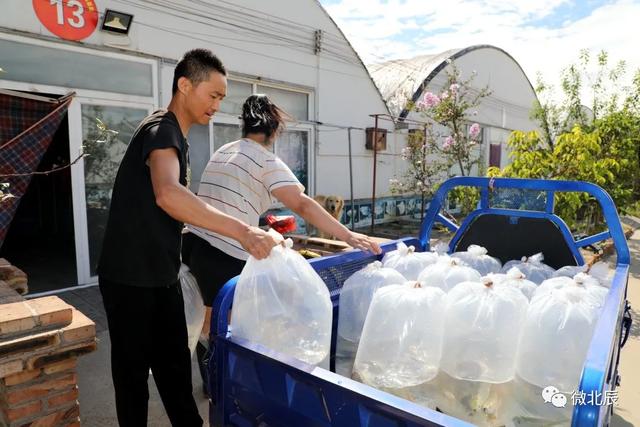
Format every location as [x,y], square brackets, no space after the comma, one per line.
[68,19]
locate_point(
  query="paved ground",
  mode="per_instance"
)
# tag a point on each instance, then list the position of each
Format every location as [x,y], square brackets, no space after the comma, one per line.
[97,404]
[96,394]
[628,411]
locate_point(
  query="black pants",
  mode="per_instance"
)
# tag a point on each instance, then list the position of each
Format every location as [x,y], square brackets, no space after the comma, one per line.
[211,267]
[148,330]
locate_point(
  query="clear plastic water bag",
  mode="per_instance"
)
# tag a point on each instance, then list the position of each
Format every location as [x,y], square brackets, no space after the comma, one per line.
[281,302]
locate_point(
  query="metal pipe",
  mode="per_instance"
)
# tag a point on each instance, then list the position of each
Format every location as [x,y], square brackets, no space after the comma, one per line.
[351,181]
[375,162]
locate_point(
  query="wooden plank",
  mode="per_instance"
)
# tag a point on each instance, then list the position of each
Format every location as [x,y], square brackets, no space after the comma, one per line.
[21,348]
[81,329]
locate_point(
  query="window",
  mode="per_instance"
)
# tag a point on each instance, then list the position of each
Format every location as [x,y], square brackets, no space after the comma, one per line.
[293,148]
[495,154]
[199,153]
[24,62]
[237,93]
[102,163]
[294,103]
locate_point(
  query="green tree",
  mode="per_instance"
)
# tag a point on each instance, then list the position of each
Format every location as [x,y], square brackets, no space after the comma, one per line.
[600,144]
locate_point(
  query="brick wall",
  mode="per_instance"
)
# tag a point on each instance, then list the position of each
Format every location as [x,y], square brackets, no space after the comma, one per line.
[40,342]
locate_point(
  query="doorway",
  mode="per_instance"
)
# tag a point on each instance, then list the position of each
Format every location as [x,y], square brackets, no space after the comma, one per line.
[41,240]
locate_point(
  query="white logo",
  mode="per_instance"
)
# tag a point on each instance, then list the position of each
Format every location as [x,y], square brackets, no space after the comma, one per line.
[559,400]
[548,393]
[552,395]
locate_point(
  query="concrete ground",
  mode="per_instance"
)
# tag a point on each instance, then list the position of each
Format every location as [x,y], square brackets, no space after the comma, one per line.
[97,403]
[97,407]
[627,413]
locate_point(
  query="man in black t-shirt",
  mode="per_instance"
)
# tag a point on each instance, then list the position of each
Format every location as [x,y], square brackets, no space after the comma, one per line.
[140,259]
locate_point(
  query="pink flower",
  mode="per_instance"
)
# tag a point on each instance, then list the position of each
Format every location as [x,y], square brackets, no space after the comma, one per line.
[474,130]
[444,95]
[430,100]
[454,88]
[448,143]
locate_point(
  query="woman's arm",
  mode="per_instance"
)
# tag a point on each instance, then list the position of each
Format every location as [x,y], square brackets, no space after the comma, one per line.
[293,198]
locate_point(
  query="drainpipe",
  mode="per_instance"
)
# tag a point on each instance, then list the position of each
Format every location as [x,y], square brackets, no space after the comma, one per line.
[375,163]
[351,180]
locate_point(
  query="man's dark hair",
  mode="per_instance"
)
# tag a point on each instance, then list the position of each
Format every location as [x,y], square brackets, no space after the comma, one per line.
[196,65]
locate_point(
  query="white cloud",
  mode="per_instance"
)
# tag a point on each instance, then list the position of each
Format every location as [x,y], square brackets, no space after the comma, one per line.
[380,30]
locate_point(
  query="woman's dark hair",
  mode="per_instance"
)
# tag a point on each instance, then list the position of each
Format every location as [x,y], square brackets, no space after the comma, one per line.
[196,66]
[260,115]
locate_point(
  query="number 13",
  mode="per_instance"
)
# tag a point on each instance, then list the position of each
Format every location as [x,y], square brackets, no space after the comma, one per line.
[78,22]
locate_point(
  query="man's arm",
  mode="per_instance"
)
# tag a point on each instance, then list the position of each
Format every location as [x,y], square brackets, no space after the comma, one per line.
[293,198]
[184,206]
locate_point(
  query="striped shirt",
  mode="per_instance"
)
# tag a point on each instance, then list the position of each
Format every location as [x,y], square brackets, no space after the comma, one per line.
[239,180]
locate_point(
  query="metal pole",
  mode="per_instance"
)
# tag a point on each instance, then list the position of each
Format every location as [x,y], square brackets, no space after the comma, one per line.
[375,162]
[351,182]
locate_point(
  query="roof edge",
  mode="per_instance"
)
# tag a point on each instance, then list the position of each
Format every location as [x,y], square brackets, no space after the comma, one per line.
[405,111]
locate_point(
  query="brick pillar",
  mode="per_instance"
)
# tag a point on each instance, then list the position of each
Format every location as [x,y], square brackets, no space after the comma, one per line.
[40,341]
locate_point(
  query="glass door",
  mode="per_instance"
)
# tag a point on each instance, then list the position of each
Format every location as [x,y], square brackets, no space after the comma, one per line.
[102,131]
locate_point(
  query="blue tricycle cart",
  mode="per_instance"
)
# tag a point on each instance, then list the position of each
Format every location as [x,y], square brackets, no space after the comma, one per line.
[254,386]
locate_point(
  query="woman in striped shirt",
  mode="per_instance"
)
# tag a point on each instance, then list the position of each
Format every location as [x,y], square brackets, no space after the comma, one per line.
[243,179]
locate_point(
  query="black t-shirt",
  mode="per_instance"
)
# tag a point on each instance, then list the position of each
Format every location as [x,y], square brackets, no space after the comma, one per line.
[142,242]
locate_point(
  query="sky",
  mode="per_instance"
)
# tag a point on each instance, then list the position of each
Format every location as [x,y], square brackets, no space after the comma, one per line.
[544,36]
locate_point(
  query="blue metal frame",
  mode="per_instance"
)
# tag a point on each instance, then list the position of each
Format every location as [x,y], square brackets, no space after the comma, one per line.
[551,187]
[282,388]
[522,214]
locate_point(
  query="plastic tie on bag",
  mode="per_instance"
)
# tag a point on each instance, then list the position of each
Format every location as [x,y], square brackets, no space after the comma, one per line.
[454,262]
[477,250]
[536,259]
[581,278]
[487,281]
[402,248]
[440,248]
[514,273]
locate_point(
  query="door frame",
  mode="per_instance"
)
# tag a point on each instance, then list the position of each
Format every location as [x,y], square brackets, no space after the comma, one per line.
[75,145]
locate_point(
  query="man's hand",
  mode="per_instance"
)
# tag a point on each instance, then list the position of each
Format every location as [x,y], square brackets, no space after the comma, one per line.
[360,241]
[258,242]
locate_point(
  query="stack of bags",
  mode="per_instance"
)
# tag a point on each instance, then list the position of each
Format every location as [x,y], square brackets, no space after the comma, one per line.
[468,336]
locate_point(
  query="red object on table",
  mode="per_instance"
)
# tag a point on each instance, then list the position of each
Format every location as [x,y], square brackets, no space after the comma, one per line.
[282,224]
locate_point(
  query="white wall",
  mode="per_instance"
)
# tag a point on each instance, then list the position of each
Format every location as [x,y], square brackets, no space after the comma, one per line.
[340,86]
